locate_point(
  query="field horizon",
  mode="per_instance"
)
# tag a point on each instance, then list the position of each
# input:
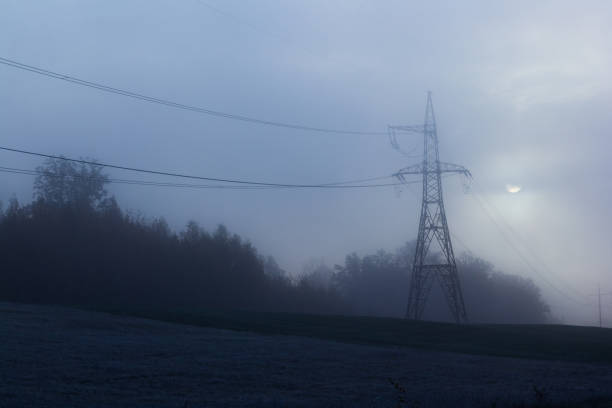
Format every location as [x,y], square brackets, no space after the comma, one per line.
[533,341]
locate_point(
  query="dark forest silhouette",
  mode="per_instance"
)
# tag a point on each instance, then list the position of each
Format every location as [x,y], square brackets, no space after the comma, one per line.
[73,245]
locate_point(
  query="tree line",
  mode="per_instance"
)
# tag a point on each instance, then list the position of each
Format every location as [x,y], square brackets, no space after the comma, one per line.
[74,245]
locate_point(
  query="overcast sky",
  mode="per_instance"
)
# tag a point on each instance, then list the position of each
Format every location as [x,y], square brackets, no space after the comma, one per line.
[522,92]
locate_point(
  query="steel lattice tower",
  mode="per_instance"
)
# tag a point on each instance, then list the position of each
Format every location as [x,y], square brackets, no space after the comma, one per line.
[437,261]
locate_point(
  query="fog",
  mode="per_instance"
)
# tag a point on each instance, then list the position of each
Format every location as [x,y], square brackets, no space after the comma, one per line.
[522,94]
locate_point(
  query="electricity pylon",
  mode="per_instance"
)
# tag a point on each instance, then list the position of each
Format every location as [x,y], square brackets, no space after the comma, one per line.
[438,261]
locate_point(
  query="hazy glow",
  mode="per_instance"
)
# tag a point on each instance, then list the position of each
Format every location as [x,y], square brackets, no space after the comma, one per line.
[513,188]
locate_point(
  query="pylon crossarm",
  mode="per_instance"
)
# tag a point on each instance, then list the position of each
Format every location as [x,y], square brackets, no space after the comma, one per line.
[453,168]
[413,169]
[408,128]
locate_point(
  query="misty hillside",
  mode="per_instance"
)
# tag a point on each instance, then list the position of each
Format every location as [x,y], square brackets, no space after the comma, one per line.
[73,245]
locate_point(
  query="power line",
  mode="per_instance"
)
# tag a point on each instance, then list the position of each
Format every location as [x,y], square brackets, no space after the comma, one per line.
[335,185]
[600,294]
[12,170]
[521,240]
[523,258]
[182,185]
[177,105]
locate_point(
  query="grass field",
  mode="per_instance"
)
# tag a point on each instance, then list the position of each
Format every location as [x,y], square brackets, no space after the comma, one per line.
[71,358]
[548,342]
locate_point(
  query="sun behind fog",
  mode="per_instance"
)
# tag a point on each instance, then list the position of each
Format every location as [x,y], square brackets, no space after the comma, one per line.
[513,188]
